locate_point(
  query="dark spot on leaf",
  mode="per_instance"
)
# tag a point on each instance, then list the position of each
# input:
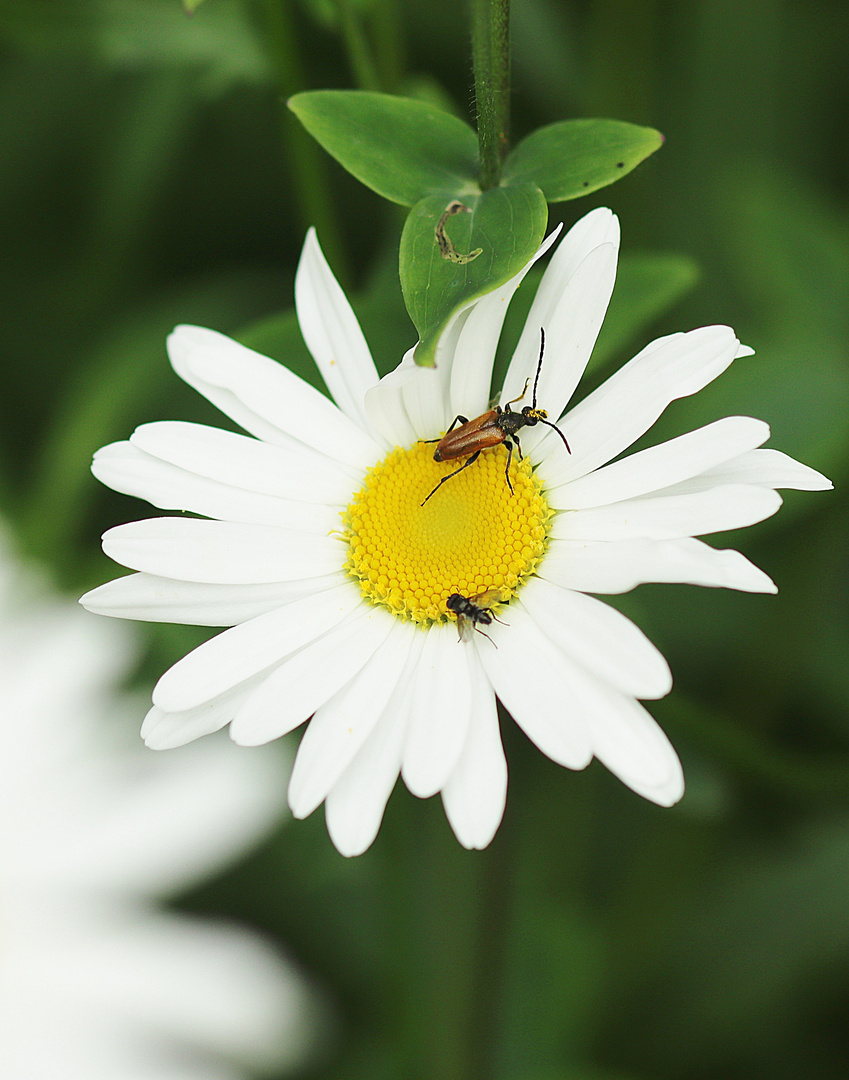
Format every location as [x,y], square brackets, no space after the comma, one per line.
[620,164]
[586,183]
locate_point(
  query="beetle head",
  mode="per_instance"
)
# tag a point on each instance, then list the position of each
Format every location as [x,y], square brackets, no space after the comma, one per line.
[533,416]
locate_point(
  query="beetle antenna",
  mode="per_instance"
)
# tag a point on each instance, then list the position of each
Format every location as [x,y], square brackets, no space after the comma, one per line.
[557,429]
[539,365]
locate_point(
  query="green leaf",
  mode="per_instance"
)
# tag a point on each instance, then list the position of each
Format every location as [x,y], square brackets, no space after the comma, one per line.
[400,148]
[191,6]
[574,157]
[507,225]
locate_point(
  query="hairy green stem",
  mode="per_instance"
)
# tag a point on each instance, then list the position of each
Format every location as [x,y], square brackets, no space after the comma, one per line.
[491,61]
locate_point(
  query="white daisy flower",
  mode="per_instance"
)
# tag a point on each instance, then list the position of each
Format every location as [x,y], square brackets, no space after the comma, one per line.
[335,578]
[96,981]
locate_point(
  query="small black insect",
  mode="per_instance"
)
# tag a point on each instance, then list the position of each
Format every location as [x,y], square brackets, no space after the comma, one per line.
[472,610]
[491,429]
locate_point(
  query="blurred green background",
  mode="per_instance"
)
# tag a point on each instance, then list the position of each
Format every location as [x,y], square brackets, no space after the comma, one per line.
[150,174]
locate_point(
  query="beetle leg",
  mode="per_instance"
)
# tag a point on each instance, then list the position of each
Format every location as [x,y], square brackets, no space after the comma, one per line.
[519,398]
[509,444]
[467,463]
[457,420]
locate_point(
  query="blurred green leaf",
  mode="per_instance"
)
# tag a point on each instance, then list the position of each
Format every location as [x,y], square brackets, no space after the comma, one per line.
[380,312]
[811,776]
[221,42]
[326,12]
[127,375]
[576,157]
[648,284]
[734,975]
[191,6]
[400,148]
[506,224]
[789,248]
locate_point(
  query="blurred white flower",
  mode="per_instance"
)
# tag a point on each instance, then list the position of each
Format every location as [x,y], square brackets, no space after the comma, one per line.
[333,552]
[96,981]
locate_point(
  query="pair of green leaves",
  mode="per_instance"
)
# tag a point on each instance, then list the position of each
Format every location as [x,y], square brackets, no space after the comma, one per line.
[460,242]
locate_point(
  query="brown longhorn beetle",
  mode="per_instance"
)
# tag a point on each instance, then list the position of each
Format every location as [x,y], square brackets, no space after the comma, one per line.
[471,610]
[491,429]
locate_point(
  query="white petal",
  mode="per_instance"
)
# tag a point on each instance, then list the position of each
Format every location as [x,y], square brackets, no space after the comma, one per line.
[158,599]
[667,517]
[768,468]
[266,398]
[599,226]
[570,336]
[598,638]
[332,333]
[341,726]
[621,565]
[620,731]
[529,675]
[191,983]
[223,552]
[125,468]
[425,394]
[440,711]
[384,404]
[247,649]
[163,730]
[356,803]
[623,408]
[289,472]
[663,465]
[476,791]
[472,354]
[172,819]
[630,743]
[304,682]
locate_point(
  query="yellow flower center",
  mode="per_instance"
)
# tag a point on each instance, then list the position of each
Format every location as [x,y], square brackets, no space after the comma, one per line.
[472,536]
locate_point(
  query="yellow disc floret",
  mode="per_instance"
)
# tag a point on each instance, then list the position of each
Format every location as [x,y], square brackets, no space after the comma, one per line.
[473,536]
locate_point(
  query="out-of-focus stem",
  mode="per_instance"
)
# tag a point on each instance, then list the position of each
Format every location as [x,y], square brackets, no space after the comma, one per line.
[313,197]
[360,57]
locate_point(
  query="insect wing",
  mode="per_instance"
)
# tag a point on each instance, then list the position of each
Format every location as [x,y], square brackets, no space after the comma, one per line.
[465,627]
[477,434]
[486,598]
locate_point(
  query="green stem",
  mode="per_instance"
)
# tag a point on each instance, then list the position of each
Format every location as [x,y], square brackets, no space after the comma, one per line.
[313,198]
[360,57]
[388,44]
[494,900]
[491,61]
[447,921]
